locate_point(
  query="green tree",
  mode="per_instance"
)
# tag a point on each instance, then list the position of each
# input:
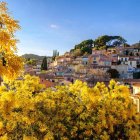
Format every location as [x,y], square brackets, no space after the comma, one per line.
[31,62]
[113,73]
[77,52]
[85,47]
[44,65]
[109,41]
[136,75]
[131,54]
[126,52]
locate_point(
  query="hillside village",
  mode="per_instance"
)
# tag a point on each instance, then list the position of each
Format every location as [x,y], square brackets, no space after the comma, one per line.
[119,63]
[93,67]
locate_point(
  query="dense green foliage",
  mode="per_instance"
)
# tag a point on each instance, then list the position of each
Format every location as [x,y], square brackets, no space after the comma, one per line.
[102,42]
[85,47]
[108,41]
[44,65]
[32,62]
[113,73]
[136,75]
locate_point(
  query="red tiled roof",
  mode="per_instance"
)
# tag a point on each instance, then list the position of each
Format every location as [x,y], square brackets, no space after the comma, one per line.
[47,83]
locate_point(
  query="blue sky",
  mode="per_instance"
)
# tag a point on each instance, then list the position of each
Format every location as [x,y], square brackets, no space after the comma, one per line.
[60,24]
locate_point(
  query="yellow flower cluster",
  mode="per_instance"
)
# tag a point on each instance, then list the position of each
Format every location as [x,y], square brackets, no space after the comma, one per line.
[29,111]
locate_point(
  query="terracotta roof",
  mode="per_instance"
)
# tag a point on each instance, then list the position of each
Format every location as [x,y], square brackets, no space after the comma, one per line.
[136,84]
[105,59]
[131,80]
[46,76]
[47,83]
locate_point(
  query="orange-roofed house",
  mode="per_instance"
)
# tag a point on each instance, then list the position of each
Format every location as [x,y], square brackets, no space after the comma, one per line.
[47,83]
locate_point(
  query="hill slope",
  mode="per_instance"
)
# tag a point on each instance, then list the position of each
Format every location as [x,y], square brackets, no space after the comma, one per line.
[33,56]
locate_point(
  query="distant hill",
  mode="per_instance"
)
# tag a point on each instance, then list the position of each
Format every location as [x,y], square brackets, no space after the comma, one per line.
[34,56]
[136,45]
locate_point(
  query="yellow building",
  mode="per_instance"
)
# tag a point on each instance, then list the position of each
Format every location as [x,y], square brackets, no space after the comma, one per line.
[136,88]
[136,95]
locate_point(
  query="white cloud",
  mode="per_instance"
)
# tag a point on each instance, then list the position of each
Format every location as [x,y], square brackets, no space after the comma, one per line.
[54,26]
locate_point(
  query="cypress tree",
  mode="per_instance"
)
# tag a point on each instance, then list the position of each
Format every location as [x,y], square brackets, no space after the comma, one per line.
[44,65]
